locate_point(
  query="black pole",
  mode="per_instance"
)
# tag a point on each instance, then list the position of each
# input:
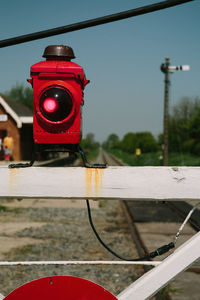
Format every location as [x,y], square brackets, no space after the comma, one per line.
[166,113]
[92,22]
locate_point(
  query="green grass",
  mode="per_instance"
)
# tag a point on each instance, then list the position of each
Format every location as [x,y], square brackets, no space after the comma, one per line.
[92,154]
[155,159]
[3,208]
[184,159]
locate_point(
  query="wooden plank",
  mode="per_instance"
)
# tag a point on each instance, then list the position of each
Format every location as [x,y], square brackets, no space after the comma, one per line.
[1,297]
[151,282]
[146,183]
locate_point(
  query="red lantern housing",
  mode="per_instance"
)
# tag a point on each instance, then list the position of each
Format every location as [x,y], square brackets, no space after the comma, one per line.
[58,86]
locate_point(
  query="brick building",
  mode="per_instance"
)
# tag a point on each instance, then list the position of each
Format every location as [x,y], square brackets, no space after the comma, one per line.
[16,120]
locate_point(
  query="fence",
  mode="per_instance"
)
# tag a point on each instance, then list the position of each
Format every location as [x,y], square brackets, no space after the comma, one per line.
[114,183]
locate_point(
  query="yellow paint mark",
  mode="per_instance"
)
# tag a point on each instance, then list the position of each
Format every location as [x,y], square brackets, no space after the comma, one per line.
[88,177]
[94,182]
[98,181]
[12,179]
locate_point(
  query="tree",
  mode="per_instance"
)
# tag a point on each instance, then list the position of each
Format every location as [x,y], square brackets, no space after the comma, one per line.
[143,140]
[112,142]
[182,122]
[146,142]
[89,143]
[186,108]
[193,143]
[22,94]
[129,142]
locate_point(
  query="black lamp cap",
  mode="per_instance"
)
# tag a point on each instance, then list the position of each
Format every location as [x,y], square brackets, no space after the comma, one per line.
[65,52]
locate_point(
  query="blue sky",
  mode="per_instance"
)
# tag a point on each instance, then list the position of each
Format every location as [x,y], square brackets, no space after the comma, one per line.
[122,59]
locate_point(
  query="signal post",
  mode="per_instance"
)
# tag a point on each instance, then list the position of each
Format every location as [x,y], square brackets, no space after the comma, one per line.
[166,69]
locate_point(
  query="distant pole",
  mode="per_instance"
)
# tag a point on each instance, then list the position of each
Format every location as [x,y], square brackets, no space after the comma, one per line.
[166,113]
[166,69]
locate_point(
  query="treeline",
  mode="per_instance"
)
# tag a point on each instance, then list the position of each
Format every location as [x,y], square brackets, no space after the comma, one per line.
[89,143]
[184,126]
[22,94]
[131,141]
[184,132]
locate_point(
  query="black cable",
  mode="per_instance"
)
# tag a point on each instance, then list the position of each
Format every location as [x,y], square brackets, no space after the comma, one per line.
[25,165]
[92,22]
[153,254]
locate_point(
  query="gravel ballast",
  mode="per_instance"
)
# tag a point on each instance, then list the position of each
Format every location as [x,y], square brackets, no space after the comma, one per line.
[64,233]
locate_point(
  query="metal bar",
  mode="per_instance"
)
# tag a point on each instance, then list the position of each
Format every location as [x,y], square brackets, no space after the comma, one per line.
[141,248]
[90,23]
[193,222]
[73,262]
[150,283]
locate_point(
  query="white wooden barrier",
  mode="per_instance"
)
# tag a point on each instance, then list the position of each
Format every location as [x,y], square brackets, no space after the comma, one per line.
[151,282]
[132,183]
[1,297]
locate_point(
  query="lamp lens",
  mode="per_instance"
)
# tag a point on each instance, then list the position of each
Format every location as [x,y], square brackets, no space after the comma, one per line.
[55,104]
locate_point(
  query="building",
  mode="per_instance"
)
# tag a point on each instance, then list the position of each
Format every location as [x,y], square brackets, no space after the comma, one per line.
[16,120]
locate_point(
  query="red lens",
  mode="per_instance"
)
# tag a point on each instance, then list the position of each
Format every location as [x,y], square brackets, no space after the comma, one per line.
[50,105]
[55,104]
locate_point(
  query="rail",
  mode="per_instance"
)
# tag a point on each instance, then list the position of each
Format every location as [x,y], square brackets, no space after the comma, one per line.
[141,183]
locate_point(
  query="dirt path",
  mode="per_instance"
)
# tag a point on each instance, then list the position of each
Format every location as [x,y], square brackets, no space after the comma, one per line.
[8,230]
[59,230]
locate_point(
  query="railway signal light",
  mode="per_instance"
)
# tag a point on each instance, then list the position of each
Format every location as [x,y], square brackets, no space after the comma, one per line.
[58,86]
[58,97]
[164,68]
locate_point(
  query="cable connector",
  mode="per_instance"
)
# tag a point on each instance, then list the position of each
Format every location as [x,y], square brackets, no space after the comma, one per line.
[162,250]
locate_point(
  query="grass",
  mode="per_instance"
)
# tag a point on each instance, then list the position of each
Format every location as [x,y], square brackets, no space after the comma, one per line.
[168,292]
[155,159]
[184,159]
[3,208]
[91,155]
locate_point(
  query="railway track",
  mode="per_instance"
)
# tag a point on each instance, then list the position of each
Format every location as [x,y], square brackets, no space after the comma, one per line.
[147,221]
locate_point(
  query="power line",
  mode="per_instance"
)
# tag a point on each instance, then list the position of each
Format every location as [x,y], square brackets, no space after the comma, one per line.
[90,23]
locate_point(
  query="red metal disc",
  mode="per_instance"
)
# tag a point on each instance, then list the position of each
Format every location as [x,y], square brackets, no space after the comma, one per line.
[60,288]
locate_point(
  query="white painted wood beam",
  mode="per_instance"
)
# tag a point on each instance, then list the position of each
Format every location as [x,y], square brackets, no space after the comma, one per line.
[132,183]
[151,282]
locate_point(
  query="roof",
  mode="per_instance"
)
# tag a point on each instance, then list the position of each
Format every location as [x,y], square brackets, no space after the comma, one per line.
[19,112]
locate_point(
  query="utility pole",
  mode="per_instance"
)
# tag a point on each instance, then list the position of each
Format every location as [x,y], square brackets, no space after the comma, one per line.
[166,69]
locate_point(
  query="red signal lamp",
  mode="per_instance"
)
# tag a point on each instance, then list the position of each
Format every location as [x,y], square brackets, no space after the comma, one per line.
[58,86]
[58,97]
[55,104]
[50,106]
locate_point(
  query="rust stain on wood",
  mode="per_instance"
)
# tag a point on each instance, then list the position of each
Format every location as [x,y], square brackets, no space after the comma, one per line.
[94,182]
[12,179]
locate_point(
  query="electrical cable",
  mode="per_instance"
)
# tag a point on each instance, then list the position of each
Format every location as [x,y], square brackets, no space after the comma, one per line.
[185,221]
[92,22]
[157,252]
